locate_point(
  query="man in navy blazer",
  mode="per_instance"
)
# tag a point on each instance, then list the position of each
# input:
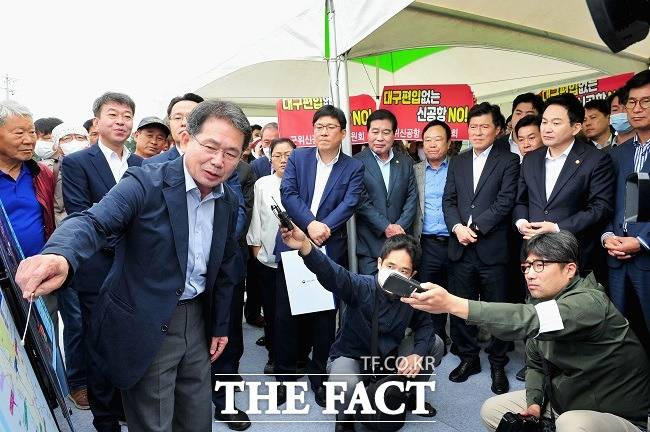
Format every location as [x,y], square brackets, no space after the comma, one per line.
[262,165]
[628,244]
[580,198]
[320,190]
[390,196]
[177,112]
[87,176]
[176,266]
[477,205]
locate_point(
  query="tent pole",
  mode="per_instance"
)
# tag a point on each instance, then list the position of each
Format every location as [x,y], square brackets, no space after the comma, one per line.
[332,65]
[344,98]
[338,75]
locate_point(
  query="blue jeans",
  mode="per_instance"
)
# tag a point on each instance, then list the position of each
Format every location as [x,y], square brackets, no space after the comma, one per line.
[73,337]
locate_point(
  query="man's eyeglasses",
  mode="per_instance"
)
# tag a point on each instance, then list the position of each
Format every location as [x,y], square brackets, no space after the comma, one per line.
[327,127]
[228,155]
[643,103]
[281,156]
[538,265]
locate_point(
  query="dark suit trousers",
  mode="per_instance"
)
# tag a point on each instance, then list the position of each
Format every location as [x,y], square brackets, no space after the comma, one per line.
[367,265]
[268,288]
[473,280]
[104,398]
[228,361]
[434,268]
[629,290]
[319,327]
[174,393]
[253,305]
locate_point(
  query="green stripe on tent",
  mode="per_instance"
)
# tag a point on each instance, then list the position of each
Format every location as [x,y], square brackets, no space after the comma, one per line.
[394,61]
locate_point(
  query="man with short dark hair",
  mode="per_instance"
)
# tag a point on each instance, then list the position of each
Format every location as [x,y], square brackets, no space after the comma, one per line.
[351,354]
[596,125]
[165,316]
[618,117]
[390,197]
[150,137]
[321,189]
[523,105]
[87,175]
[599,374]
[44,149]
[567,184]
[528,135]
[628,243]
[93,134]
[477,204]
[429,225]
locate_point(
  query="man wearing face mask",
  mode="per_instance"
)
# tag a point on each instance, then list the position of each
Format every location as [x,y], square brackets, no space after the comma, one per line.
[618,118]
[350,354]
[44,149]
[69,138]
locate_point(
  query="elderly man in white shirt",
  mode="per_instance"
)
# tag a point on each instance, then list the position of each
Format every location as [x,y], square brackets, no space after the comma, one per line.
[262,234]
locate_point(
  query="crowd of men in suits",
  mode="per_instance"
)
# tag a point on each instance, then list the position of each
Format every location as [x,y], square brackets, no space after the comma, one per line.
[562,167]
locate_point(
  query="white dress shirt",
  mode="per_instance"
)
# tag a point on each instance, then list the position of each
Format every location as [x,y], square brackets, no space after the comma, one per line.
[514,148]
[384,166]
[323,171]
[478,163]
[264,224]
[553,166]
[200,220]
[118,166]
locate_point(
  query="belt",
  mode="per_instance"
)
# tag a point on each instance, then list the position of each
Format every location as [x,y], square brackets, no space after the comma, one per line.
[436,238]
[190,300]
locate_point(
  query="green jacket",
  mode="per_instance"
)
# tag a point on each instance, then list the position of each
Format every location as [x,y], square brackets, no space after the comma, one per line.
[599,364]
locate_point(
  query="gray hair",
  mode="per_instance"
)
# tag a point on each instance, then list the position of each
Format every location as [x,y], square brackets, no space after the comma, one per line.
[272,125]
[108,97]
[555,246]
[9,108]
[223,110]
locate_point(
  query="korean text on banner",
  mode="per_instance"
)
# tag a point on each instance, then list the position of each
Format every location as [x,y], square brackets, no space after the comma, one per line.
[295,118]
[416,105]
[589,90]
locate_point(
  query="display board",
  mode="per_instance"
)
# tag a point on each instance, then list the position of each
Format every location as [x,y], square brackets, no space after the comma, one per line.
[34,373]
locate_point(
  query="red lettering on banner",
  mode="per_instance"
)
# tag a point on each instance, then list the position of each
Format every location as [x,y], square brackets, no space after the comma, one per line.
[416,105]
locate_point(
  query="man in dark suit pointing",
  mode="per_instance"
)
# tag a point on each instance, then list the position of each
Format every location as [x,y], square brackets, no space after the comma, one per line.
[147,321]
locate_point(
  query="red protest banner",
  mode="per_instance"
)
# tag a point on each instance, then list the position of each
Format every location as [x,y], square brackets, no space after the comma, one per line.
[295,116]
[589,90]
[416,105]
[361,107]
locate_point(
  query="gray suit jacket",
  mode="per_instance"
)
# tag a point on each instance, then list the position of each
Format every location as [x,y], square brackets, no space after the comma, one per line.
[380,207]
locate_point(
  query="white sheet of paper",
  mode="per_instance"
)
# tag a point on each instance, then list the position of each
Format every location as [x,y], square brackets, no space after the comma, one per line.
[549,316]
[306,295]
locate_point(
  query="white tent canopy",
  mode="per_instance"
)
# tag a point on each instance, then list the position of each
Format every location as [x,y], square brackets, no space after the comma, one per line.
[496,47]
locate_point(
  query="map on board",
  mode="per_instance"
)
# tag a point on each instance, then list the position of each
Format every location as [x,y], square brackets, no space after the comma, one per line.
[22,403]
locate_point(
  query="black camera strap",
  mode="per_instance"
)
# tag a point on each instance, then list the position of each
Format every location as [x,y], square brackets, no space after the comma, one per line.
[374,337]
[548,389]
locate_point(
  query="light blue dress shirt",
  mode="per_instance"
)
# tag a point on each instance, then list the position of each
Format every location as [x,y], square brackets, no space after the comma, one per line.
[384,167]
[434,187]
[200,217]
